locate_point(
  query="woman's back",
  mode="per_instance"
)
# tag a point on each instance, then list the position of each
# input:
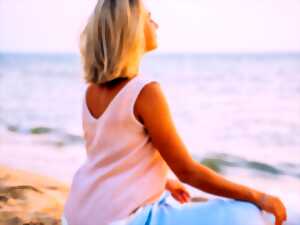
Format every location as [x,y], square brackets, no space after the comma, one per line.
[98,98]
[123,170]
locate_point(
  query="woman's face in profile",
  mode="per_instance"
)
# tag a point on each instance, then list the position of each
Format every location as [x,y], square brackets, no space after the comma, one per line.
[150,27]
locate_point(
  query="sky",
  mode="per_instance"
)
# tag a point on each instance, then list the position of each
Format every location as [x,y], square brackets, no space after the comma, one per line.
[201,26]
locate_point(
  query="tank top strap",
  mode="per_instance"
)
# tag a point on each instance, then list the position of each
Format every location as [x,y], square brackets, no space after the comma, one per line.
[132,93]
[136,88]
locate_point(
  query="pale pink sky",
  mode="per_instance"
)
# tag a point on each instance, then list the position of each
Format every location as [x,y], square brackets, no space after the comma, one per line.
[185,26]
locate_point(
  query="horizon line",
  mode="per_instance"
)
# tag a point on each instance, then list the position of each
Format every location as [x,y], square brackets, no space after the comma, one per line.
[158,53]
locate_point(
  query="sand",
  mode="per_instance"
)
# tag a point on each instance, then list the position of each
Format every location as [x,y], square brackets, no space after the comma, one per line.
[29,198]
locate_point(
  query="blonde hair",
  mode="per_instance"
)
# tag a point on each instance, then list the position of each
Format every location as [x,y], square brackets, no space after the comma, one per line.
[111,37]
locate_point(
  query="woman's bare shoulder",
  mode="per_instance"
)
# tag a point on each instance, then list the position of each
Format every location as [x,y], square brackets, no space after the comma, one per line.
[149,91]
[151,95]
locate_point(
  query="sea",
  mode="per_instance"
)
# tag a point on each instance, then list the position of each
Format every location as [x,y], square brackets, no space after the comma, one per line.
[239,114]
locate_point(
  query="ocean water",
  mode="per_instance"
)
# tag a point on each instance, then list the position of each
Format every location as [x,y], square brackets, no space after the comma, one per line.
[233,112]
[247,105]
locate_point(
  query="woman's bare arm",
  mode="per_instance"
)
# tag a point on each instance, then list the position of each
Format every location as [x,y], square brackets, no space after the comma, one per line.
[153,108]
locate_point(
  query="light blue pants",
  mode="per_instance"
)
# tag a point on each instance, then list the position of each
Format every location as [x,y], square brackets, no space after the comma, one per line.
[211,212]
[167,211]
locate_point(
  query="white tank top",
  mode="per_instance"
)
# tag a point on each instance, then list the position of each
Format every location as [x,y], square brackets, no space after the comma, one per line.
[123,171]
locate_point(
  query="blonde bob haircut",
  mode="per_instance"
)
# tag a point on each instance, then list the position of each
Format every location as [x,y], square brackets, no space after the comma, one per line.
[112,36]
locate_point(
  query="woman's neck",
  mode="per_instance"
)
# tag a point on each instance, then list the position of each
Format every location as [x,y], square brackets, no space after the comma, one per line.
[128,72]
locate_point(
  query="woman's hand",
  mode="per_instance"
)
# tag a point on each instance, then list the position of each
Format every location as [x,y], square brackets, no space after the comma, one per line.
[178,190]
[273,204]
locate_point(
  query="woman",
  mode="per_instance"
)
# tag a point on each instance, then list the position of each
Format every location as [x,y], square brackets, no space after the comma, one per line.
[131,140]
